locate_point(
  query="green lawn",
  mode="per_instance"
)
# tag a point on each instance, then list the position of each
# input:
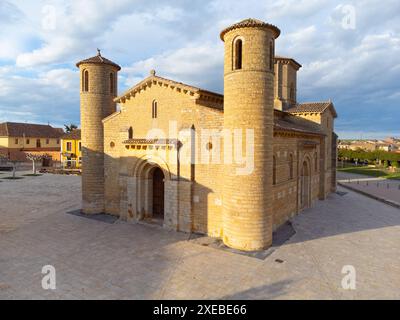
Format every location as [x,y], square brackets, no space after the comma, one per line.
[373,172]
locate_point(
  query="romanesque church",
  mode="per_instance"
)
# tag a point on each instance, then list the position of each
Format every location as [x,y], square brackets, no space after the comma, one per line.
[234,166]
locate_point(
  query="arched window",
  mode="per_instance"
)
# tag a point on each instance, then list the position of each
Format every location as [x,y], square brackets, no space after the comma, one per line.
[130,133]
[271,56]
[316,162]
[274,170]
[238,54]
[85,81]
[112,82]
[291,165]
[154,110]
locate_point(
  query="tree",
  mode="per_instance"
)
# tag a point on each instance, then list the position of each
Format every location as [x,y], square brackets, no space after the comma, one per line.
[70,128]
[4,158]
[386,163]
[376,156]
[36,157]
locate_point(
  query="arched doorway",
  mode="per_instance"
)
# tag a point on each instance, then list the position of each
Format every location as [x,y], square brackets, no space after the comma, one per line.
[305,186]
[158,193]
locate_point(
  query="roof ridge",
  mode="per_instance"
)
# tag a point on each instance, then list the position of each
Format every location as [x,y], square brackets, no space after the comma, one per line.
[16,129]
[315,102]
[155,77]
[293,60]
[28,123]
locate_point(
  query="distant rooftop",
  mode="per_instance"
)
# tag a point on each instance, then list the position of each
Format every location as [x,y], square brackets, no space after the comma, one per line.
[15,129]
[73,135]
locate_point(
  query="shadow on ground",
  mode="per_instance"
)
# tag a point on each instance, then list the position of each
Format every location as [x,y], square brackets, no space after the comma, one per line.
[271,291]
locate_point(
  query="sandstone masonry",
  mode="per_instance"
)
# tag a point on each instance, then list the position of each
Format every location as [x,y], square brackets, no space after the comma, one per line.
[234,166]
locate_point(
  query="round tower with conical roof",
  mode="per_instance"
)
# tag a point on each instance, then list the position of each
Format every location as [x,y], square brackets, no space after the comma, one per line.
[98,83]
[249,105]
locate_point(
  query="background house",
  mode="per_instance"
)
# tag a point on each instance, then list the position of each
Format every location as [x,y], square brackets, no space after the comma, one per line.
[18,139]
[71,156]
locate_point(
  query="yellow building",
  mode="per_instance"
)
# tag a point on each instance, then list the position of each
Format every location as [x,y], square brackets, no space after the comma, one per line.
[71,156]
[17,139]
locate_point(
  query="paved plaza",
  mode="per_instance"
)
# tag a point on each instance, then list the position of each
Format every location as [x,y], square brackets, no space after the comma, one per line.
[116,260]
[381,188]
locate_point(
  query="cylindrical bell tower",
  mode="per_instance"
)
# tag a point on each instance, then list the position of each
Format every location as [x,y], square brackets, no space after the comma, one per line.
[98,83]
[249,105]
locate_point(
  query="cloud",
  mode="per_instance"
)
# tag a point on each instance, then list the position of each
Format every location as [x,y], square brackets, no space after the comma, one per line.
[188,64]
[294,8]
[9,13]
[42,40]
[51,96]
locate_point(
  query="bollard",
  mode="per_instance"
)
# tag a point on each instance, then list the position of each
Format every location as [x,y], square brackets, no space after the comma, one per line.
[388,185]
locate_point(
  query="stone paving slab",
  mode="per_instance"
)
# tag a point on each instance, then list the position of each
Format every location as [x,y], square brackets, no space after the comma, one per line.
[97,260]
[385,190]
[280,236]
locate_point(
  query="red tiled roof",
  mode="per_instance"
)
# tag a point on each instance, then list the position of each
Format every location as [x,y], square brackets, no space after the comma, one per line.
[14,129]
[251,23]
[288,60]
[317,107]
[99,59]
[151,141]
[287,122]
[73,135]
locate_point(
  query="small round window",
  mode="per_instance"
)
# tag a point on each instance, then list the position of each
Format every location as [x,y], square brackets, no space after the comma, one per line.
[112,144]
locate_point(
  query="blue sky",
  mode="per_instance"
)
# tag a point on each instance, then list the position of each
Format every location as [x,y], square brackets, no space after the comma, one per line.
[350,52]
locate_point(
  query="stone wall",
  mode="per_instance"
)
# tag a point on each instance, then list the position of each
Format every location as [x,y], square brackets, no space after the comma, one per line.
[195,188]
[286,191]
[285,84]
[96,104]
[249,104]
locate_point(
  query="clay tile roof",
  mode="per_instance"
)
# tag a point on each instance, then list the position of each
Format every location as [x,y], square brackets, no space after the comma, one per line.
[99,59]
[289,60]
[317,107]
[13,129]
[251,23]
[151,141]
[73,135]
[287,122]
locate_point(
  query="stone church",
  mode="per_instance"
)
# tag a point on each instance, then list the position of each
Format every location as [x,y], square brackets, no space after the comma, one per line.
[233,166]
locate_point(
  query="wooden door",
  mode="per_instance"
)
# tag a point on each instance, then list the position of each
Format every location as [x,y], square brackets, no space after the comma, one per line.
[158,193]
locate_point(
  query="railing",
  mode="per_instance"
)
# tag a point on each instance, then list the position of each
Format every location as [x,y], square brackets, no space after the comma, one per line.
[71,164]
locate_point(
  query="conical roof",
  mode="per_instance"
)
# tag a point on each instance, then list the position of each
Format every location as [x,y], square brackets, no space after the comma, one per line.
[251,23]
[99,59]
